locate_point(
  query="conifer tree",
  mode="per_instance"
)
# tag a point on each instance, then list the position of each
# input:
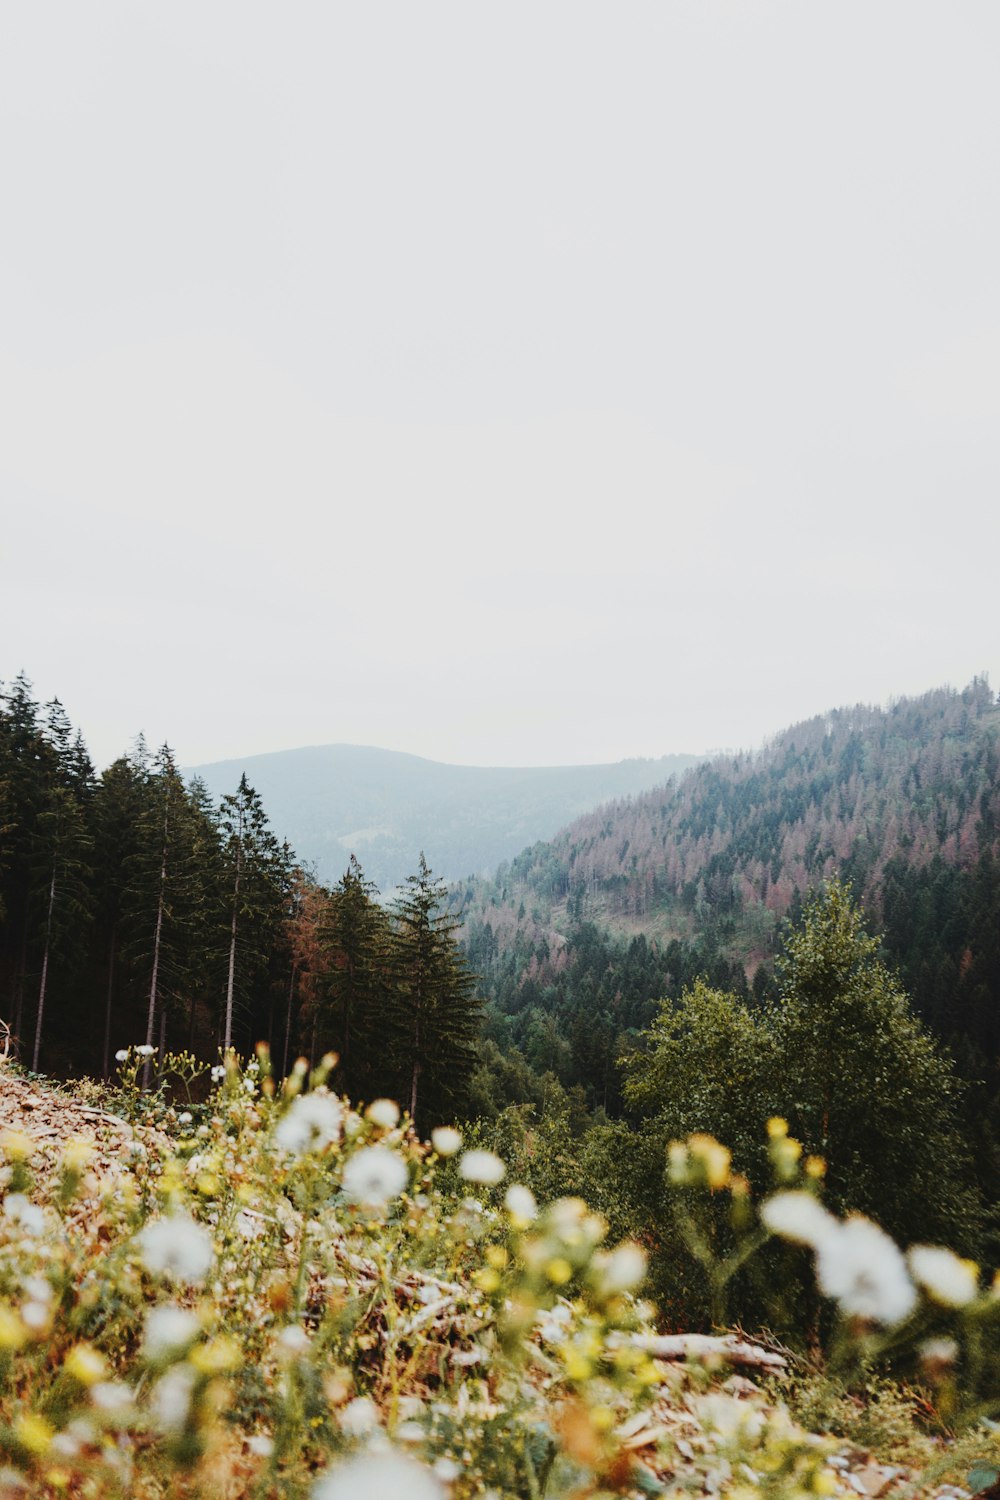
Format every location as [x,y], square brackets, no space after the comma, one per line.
[255,876]
[163,896]
[60,888]
[355,935]
[434,1012]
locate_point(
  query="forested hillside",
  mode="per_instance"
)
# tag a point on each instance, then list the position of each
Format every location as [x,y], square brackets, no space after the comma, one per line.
[332,801]
[578,938]
[136,910]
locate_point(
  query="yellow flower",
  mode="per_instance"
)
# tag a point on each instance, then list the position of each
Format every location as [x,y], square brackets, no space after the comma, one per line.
[487,1280]
[714,1158]
[86,1364]
[496,1256]
[815,1167]
[578,1367]
[218,1355]
[558,1270]
[33,1432]
[13,1334]
[77,1154]
[777,1127]
[16,1144]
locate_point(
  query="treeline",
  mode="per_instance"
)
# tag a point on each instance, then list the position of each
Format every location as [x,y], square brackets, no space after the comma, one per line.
[834,1057]
[133,910]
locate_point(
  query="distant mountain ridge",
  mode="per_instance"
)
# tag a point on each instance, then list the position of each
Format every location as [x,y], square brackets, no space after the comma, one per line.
[385,806]
[856,792]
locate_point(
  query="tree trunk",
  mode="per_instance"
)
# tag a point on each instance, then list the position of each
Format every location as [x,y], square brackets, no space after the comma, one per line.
[154,978]
[288,1021]
[45,972]
[106,1064]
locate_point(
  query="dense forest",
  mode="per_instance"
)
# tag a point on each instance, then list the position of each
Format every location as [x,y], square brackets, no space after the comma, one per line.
[135,910]
[578,939]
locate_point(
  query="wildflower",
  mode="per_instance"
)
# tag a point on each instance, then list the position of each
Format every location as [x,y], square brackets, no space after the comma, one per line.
[714,1158]
[797,1216]
[311,1124]
[359,1417]
[374,1175]
[384,1113]
[121,1055]
[111,1396]
[943,1275]
[260,1445]
[36,1316]
[936,1355]
[33,1432]
[145,1050]
[864,1270]
[483,1167]
[169,1332]
[519,1202]
[218,1073]
[378,1476]
[21,1211]
[777,1127]
[446,1140]
[12,1332]
[171,1398]
[185,1117]
[624,1269]
[293,1339]
[86,1364]
[176,1247]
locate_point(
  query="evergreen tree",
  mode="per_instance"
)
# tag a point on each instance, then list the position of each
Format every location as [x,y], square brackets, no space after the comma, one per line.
[255,876]
[59,890]
[355,935]
[434,1010]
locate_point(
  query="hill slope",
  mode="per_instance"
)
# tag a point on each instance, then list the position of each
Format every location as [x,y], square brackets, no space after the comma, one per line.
[331,801]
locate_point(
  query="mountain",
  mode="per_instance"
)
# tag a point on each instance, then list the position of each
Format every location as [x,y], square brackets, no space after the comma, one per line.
[579,936]
[330,801]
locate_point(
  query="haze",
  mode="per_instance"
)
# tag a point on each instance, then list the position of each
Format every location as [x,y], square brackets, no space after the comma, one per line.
[519,384]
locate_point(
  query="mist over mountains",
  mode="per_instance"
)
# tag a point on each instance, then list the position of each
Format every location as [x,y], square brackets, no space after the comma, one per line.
[331,801]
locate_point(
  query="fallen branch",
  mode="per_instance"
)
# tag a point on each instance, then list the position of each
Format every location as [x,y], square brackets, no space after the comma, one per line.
[733,1350]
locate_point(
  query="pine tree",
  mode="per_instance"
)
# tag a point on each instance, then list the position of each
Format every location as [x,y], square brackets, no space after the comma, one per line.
[256,876]
[434,1012]
[60,890]
[163,897]
[355,935]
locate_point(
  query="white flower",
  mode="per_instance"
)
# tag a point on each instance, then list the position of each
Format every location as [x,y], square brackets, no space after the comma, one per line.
[176,1247]
[111,1395]
[185,1117]
[293,1339]
[121,1054]
[20,1210]
[218,1073]
[246,1226]
[359,1417]
[261,1445]
[519,1202]
[482,1166]
[169,1331]
[145,1050]
[171,1399]
[797,1216]
[374,1175]
[378,1476]
[311,1124]
[36,1316]
[624,1269]
[946,1278]
[864,1270]
[249,1085]
[383,1112]
[446,1140]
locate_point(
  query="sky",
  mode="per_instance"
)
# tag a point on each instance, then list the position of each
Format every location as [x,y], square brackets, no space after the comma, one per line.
[536,383]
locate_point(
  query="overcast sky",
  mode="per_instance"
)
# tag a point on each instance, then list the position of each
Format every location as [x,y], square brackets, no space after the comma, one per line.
[523,383]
